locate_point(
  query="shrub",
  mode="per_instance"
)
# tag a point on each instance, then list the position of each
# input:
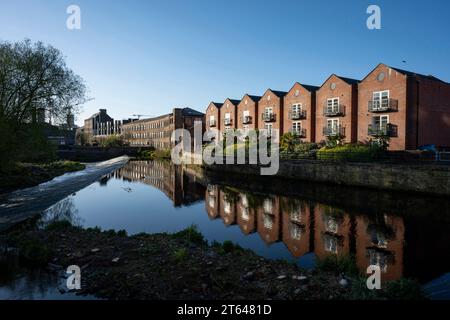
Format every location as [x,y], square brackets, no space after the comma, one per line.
[333,263]
[349,152]
[191,234]
[112,141]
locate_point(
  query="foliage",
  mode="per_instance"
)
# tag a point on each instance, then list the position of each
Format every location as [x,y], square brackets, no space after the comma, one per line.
[34,81]
[334,263]
[190,234]
[155,154]
[180,254]
[289,141]
[112,141]
[350,152]
[334,141]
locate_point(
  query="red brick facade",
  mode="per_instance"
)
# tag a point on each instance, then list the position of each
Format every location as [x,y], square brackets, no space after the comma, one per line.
[413,109]
[213,116]
[247,111]
[300,111]
[271,110]
[336,109]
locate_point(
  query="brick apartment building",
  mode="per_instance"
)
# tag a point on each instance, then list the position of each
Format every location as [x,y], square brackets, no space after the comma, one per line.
[337,109]
[157,132]
[247,111]
[412,109]
[213,116]
[300,111]
[228,114]
[271,109]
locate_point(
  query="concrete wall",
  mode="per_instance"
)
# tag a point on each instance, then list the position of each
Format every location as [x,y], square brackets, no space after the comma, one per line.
[427,179]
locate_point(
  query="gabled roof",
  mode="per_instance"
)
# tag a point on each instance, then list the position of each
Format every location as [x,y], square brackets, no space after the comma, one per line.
[279,94]
[191,112]
[308,87]
[218,105]
[406,73]
[413,74]
[349,81]
[233,101]
[254,98]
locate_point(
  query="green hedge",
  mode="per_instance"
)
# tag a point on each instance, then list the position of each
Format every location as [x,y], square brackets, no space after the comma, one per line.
[349,153]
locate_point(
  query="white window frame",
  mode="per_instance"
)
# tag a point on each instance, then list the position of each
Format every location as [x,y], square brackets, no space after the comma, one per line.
[334,125]
[297,127]
[297,107]
[269,128]
[380,101]
[380,124]
[334,105]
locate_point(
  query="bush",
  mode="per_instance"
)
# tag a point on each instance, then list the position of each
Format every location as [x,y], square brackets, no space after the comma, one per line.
[191,234]
[335,264]
[155,154]
[112,141]
[349,152]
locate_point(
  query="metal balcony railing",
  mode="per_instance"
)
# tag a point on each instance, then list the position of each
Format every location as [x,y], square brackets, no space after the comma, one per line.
[334,111]
[334,131]
[227,122]
[301,133]
[212,123]
[297,115]
[246,119]
[388,130]
[268,117]
[383,105]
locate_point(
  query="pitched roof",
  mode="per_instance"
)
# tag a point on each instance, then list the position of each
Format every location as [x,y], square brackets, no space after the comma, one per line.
[254,98]
[348,80]
[234,101]
[414,74]
[308,87]
[279,94]
[191,112]
[218,105]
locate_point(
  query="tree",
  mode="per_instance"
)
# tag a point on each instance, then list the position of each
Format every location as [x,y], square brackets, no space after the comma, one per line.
[34,81]
[35,78]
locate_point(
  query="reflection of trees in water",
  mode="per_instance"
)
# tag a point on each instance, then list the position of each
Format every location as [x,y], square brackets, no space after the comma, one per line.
[36,284]
[65,210]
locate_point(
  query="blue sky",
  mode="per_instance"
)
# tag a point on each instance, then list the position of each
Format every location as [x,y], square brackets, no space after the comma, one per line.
[148,56]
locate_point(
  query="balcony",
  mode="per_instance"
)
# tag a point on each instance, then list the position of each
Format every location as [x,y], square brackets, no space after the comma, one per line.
[389,130]
[212,123]
[334,111]
[334,131]
[268,117]
[227,122]
[301,133]
[383,105]
[246,119]
[297,115]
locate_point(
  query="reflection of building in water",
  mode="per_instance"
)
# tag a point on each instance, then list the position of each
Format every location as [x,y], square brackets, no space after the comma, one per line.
[305,227]
[296,219]
[227,206]
[212,201]
[332,231]
[380,243]
[180,187]
[246,215]
[268,220]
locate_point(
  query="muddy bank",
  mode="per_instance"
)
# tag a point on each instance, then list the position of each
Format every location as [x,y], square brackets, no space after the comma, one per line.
[185,266]
[22,204]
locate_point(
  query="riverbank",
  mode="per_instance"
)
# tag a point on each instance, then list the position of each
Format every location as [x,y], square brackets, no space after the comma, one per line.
[25,175]
[184,266]
[403,177]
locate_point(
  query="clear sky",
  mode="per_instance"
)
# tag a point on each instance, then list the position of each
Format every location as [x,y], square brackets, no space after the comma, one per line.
[146,57]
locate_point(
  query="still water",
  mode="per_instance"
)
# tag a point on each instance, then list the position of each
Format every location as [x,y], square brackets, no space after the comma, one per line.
[406,236]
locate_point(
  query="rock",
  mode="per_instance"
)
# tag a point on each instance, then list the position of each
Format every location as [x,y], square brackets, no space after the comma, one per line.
[209,263]
[115,260]
[95,250]
[302,279]
[281,277]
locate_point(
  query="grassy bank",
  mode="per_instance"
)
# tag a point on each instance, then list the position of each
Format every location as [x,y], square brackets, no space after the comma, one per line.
[24,175]
[184,266]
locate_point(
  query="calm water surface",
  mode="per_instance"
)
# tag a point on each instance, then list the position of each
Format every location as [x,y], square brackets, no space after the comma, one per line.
[406,236]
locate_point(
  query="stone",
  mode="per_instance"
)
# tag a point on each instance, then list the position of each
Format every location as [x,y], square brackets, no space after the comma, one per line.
[281,277]
[95,250]
[115,260]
